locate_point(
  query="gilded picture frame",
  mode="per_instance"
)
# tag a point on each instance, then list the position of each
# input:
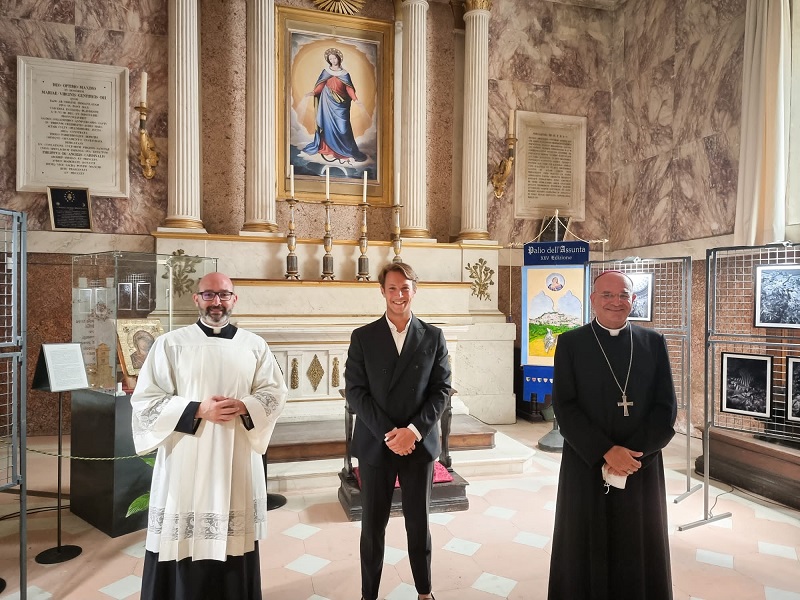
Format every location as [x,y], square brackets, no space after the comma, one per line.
[136,337]
[334,74]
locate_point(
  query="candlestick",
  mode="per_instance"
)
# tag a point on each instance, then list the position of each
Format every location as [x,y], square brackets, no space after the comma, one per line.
[327,183]
[143,90]
[363,243]
[511,123]
[327,244]
[291,180]
[291,243]
[365,188]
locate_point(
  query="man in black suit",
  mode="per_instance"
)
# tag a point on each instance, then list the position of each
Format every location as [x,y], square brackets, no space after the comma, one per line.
[398,381]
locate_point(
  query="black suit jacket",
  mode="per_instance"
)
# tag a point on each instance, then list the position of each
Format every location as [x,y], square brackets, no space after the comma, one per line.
[386,390]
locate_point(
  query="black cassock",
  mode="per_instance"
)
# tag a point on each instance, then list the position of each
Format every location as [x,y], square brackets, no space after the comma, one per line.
[611,546]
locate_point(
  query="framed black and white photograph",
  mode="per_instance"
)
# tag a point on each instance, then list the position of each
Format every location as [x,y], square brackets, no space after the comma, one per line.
[746,384]
[777,296]
[642,309]
[793,388]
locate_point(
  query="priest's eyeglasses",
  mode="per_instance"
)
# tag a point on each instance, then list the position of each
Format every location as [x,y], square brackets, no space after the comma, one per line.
[623,297]
[208,295]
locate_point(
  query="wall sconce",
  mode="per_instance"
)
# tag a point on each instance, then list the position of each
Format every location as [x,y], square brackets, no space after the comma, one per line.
[503,170]
[148,157]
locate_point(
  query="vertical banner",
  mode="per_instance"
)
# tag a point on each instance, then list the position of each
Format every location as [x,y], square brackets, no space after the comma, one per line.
[552,302]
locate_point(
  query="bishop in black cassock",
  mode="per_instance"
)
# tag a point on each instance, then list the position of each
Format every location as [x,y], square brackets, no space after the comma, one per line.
[611,543]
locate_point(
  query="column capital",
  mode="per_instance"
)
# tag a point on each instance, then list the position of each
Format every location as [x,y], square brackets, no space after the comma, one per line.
[471,5]
[405,3]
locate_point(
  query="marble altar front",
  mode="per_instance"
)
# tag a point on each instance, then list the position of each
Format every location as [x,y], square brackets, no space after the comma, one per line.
[308,322]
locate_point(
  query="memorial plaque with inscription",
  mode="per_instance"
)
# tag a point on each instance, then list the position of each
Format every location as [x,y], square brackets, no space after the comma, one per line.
[72,126]
[70,209]
[550,167]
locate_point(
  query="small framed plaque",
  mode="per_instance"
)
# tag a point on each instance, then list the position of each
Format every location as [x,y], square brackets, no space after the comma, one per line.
[70,209]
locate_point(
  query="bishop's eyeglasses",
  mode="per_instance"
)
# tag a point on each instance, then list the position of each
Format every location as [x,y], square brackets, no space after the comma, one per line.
[623,297]
[208,295]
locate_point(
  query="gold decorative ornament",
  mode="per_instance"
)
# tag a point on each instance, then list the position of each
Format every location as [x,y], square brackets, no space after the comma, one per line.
[295,376]
[503,170]
[342,7]
[315,372]
[148,158]
[481,276]
[181,267]
[335,375]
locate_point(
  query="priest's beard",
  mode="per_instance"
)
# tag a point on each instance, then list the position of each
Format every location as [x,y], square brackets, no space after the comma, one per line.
[218,318]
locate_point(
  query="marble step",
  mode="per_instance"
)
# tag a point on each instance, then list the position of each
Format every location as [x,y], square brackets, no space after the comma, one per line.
[507,457]
[319,440]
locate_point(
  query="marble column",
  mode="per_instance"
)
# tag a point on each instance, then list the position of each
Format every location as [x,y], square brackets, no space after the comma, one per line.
[476,111]
[260,184]
[184,191]
[413,168]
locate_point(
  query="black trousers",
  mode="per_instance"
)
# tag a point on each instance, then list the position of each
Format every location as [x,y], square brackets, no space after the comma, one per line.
[377,487]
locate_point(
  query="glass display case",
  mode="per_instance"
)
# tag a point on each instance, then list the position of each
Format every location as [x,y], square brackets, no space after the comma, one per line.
[122,301]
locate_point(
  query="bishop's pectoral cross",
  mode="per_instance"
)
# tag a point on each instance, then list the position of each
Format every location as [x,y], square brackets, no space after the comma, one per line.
[625,404]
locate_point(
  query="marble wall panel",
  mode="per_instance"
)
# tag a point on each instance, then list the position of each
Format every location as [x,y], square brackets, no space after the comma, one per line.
[641,203]
[40,10]
[696,20]
[708,84]
[704,195]
[649,32]
[598,220]
[581,47]
[598,132]
[145,16]
[518,44]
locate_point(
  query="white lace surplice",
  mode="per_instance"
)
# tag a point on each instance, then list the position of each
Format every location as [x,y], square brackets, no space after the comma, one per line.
[209,498]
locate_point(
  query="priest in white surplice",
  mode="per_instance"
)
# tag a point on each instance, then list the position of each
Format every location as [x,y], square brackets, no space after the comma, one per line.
[207,398]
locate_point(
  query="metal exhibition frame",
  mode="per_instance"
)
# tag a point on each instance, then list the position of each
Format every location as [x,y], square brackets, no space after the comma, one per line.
[669,311]
[13,410]
[731,292]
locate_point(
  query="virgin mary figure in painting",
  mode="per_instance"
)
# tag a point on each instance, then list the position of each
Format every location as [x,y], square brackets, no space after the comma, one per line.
[334,94]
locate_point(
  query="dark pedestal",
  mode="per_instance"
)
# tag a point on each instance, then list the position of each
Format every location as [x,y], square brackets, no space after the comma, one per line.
[445,497]
[764,468]
[102,490]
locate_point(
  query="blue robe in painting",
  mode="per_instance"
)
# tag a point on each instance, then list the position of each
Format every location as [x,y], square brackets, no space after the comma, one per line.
[333,94]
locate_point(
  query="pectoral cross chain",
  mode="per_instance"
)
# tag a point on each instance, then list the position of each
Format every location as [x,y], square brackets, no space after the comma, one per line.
[625,404]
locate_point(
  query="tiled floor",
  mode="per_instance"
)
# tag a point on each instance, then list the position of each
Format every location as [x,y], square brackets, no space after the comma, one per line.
[499,548]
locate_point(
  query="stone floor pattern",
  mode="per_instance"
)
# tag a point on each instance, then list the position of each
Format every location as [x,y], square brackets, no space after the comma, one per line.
[499,548]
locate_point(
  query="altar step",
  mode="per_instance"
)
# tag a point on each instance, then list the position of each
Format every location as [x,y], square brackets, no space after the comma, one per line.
[506,457]
[320,440]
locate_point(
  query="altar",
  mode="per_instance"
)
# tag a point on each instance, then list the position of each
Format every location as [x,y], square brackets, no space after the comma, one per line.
[308,322]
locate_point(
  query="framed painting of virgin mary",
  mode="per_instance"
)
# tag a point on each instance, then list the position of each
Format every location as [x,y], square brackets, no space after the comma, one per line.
[334,82]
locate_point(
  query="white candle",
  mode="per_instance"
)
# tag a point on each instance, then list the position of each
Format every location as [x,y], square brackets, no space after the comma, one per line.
[365,187]
[291,180]
[327,183]
[143,90]
[511,123]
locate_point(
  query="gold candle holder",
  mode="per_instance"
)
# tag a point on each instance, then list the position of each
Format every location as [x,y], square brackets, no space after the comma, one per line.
[327,243]
[148,158]
[503,170]
[363,243]
[397,242]
[291,243]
